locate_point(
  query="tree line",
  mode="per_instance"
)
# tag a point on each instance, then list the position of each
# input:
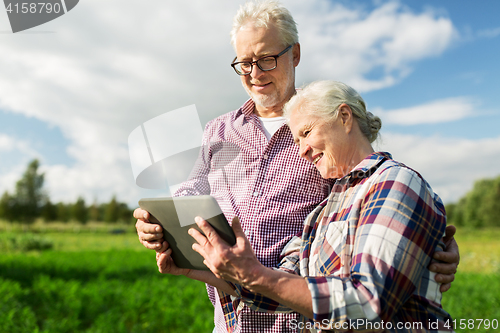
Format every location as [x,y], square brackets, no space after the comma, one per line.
[29,201]
[479,208]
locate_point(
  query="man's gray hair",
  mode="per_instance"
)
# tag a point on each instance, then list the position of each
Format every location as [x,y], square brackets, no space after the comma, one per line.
[263,13]
[323,98]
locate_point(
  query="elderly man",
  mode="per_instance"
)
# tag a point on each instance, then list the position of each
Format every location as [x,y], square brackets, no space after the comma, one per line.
[266,184]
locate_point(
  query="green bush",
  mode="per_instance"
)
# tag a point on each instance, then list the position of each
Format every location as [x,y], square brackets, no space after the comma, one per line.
[25,242]
[15,316]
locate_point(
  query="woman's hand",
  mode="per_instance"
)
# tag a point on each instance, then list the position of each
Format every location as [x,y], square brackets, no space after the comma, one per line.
[236,263]
[239,264]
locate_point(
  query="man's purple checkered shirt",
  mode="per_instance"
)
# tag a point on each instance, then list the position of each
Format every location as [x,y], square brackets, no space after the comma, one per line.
[267,185]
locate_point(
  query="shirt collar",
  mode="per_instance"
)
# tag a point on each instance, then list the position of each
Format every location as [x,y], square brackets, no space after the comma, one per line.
[247,109]
[368,165]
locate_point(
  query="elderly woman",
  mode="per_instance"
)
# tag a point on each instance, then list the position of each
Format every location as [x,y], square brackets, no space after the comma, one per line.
[361,260]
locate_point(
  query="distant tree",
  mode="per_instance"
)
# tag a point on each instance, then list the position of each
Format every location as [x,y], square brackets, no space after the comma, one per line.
[29,196]
[7,207]
[95,212]
[115,211]
[125,213]
[111,211]
[79,211]
[491,204]
[62,212]
[49,211]
[480,207]
[454,214]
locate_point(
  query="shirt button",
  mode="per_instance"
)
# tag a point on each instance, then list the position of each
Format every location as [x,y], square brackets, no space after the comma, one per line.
[255,194]
[266,157]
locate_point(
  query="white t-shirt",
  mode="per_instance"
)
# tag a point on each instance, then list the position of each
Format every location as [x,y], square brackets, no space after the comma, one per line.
[271,125]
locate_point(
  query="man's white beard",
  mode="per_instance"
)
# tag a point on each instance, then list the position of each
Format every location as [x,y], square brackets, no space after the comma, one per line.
[265,101]
[270,100]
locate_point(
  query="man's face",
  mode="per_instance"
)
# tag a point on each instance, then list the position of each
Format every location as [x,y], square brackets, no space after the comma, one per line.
[268,89]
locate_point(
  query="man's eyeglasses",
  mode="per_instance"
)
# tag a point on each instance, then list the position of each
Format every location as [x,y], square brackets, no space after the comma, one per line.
[267,63]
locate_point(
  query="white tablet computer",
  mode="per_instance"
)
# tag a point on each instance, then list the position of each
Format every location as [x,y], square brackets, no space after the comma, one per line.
[176,216]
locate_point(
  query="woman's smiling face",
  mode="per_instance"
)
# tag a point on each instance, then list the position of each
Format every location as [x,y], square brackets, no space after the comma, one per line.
[325,143]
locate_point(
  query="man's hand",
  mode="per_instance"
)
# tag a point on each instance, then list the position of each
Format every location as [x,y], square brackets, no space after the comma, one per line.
[166,264]
[150,235]
[446,271]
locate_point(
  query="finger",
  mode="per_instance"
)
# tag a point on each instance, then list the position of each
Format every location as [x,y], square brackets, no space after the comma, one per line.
[151,245]
[448,257]
[203,246]
[148,228]
[445,278]
[198,236]
[443,269]
[205,250]
[237,229]
[148,232]
[445,287]
[450,231]
[241,237]
[162,259]
[203,225]
[201,250]
[165,255]
[211,235]
[147,237]
[163,247]
[140,213]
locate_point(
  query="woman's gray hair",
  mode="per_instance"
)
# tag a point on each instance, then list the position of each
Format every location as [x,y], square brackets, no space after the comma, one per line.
[323,98]
[263,13]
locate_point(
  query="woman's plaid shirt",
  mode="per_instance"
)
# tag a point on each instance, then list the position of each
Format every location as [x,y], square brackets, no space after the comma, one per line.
[364,253]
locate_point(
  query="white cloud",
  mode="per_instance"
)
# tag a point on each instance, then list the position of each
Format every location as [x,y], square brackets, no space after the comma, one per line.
[489,33]
[6,142]
[439,111]
[450,165]
[9,179]
[368,50]
[9,144]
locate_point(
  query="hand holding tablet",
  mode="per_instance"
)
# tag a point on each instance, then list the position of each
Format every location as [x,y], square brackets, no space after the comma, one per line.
[176,216]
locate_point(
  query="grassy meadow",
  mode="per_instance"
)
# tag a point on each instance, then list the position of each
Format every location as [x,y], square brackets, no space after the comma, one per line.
[475,293]
[94,279]
[98,278]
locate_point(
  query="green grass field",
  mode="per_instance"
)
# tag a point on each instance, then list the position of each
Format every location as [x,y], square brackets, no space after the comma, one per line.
[93,280]
[96,282]
[475,293]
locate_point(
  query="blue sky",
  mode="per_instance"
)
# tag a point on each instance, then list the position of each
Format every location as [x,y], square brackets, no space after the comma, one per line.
[73,89]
